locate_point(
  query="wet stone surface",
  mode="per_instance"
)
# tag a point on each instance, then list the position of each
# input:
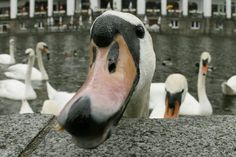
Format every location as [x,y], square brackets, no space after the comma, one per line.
[186,136]
[17,131]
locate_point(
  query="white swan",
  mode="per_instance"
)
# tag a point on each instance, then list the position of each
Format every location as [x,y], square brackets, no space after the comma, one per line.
[122,64]
[203,106]
[57,100]
[18,71]
[9,58]
[190,105]
[176,87]
[25,107]
[14,89]
[229,87]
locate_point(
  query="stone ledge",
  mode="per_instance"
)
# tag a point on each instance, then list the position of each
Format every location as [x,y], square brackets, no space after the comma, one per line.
[18,131]
[186,136]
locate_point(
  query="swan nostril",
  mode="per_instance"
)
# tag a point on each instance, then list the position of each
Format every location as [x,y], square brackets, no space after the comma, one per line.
[113,57]
[112,67]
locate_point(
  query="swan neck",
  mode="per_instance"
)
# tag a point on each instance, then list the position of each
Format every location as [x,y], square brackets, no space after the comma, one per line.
[202,95]
[40,64]
[12,52]
[29,72]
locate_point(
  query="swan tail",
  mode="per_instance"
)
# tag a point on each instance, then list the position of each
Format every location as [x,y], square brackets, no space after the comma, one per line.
[25,107]
[51,91]
[226,89]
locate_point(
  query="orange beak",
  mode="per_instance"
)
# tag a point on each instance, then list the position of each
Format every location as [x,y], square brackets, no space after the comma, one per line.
[205,69]
[172,112]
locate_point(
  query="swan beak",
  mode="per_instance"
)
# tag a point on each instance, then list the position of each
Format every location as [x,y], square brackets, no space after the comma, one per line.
[100,102]
[48,56]
[204,69]
[45,50]
[173,102]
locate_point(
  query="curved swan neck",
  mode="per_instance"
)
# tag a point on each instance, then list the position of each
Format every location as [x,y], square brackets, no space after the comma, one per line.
[201,86]
[29,71]
[40,64]
[204,102]
[12,51]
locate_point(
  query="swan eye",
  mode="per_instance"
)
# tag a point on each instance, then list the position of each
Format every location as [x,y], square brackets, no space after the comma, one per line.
[139,30]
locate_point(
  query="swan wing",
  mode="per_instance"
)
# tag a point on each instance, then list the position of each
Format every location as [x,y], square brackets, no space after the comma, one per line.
[190,106]
[157,100]
[18,71]
[157,94]
[5,59]
[232,82]
[12,89]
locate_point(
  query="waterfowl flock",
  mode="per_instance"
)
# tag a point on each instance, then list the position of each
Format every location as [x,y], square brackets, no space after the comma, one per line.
[119,82]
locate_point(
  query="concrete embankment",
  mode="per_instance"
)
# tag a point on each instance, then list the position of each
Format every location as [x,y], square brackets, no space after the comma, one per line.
[34,135]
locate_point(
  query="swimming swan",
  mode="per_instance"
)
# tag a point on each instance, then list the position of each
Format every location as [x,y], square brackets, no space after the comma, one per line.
[202,106]
[57,100]
[18,71]
[16,90]
[9,58]
[229,87]
[190,105]
[175,88]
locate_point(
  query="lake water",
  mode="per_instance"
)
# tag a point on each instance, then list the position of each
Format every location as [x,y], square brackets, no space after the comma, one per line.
[68,73]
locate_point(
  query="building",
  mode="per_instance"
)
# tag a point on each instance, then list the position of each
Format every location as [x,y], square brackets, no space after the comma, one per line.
[172,16]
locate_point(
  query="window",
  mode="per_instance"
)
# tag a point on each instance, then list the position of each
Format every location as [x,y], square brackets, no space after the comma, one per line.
[219,26]
[174,24]
[195,25]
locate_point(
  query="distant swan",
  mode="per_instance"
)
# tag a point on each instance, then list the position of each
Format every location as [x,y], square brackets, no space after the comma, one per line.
[170,101]
[18,71]
[203,107]
[9,58]
[229,87]
[190,106]
[25,107]
[57,100]
[16,90]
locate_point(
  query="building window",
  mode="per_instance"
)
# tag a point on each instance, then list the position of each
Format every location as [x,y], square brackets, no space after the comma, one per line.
[129,4]
[219,26]
[22,26]
[195,25]
[106,3]
[174,24]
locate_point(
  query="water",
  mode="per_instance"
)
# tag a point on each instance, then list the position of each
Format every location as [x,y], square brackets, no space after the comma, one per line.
[68,73]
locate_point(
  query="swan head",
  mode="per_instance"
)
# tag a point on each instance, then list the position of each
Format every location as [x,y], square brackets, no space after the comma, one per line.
[176,88]
[204,62]
[30,52]
[43,47]
[122,62]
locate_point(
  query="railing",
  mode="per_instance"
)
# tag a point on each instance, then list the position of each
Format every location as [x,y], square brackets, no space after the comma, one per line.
[153,12]
[174,13]
[219,14]
[4,16]
[195,13]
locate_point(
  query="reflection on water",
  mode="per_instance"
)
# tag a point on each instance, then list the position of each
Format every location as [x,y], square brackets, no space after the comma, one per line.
[67,72]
